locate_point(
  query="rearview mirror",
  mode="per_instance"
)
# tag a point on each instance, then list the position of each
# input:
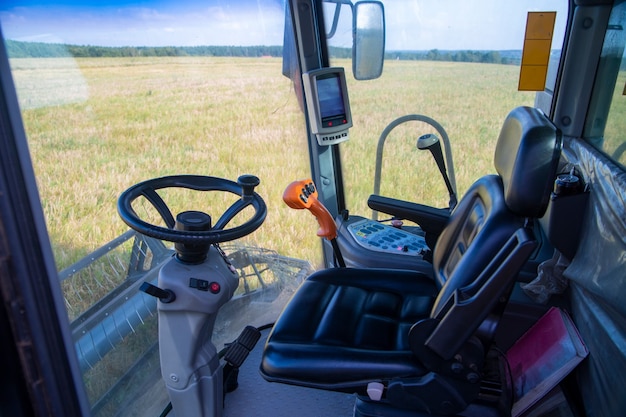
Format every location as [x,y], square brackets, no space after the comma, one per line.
[368,48]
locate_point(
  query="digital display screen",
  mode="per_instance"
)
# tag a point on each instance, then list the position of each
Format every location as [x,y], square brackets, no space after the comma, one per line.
[330,97]
[328,104]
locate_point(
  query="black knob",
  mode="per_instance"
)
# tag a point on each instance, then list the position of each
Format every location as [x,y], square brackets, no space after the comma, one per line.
[166,296]
[195,221]
[567,184]
[192,221]
[247,183]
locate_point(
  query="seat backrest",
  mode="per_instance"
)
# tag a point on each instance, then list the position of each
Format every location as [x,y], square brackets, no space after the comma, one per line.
[496,206]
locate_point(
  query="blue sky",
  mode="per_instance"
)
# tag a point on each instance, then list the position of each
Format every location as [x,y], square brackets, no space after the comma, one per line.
[150,23]
[411,24]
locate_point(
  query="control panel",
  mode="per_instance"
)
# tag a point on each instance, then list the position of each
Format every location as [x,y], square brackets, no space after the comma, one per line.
[379,237]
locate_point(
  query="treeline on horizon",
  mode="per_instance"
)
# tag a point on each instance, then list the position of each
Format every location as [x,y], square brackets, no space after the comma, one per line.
[18,49]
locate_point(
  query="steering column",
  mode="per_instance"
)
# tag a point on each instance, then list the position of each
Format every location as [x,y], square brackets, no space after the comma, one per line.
[193,285]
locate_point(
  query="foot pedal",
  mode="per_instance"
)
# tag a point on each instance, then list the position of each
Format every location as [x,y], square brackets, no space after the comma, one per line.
[236,354]
[238,350]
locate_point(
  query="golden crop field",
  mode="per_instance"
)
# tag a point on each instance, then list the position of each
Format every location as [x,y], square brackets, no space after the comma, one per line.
[99,125]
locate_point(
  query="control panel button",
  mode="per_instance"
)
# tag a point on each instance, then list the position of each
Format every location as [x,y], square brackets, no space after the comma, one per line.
[214,287]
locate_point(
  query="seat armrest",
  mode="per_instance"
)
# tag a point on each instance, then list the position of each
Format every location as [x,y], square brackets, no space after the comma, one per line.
[431,219]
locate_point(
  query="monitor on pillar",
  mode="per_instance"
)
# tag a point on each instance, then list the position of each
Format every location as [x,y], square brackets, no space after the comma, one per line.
[328,104]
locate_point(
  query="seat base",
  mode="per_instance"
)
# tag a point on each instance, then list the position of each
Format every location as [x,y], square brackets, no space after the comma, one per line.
[494,400]
[366,408]
[354,325]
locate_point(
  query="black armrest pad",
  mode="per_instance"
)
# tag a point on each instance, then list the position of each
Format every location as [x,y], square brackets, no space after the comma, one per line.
[431,219]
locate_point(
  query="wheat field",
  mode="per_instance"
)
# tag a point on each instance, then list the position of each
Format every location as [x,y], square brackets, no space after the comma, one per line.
[99,125]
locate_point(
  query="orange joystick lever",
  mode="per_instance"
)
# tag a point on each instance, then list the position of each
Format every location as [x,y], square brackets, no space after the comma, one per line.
[303,195]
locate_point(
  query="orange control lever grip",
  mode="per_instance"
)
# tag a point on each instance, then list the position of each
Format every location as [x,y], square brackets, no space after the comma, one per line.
[303,195]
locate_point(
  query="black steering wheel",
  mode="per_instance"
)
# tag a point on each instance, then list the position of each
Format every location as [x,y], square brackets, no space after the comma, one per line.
[244,187]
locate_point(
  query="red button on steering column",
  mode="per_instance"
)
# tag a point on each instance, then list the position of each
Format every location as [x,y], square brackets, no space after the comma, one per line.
[214,287]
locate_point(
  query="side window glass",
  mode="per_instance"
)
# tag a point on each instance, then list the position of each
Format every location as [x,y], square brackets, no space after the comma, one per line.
[607,122]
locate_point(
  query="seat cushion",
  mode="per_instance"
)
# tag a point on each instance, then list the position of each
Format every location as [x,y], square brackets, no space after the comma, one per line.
[353,324]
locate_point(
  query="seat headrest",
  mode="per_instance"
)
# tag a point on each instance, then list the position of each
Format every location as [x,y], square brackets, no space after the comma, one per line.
[526,158]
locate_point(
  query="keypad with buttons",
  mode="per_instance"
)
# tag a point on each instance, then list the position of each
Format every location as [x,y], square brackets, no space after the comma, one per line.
[382,238]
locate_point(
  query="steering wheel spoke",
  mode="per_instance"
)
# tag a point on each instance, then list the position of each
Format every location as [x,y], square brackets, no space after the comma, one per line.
[157,202]
[230,214]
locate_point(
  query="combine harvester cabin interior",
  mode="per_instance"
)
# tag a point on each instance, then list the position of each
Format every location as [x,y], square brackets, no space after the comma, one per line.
[307,207]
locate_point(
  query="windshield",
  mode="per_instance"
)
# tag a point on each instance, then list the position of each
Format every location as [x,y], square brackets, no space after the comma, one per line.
[115,94]
[156,90]
[450,61]
[112,94]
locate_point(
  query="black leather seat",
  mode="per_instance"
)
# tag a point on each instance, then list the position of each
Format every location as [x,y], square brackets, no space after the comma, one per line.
[423,341]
